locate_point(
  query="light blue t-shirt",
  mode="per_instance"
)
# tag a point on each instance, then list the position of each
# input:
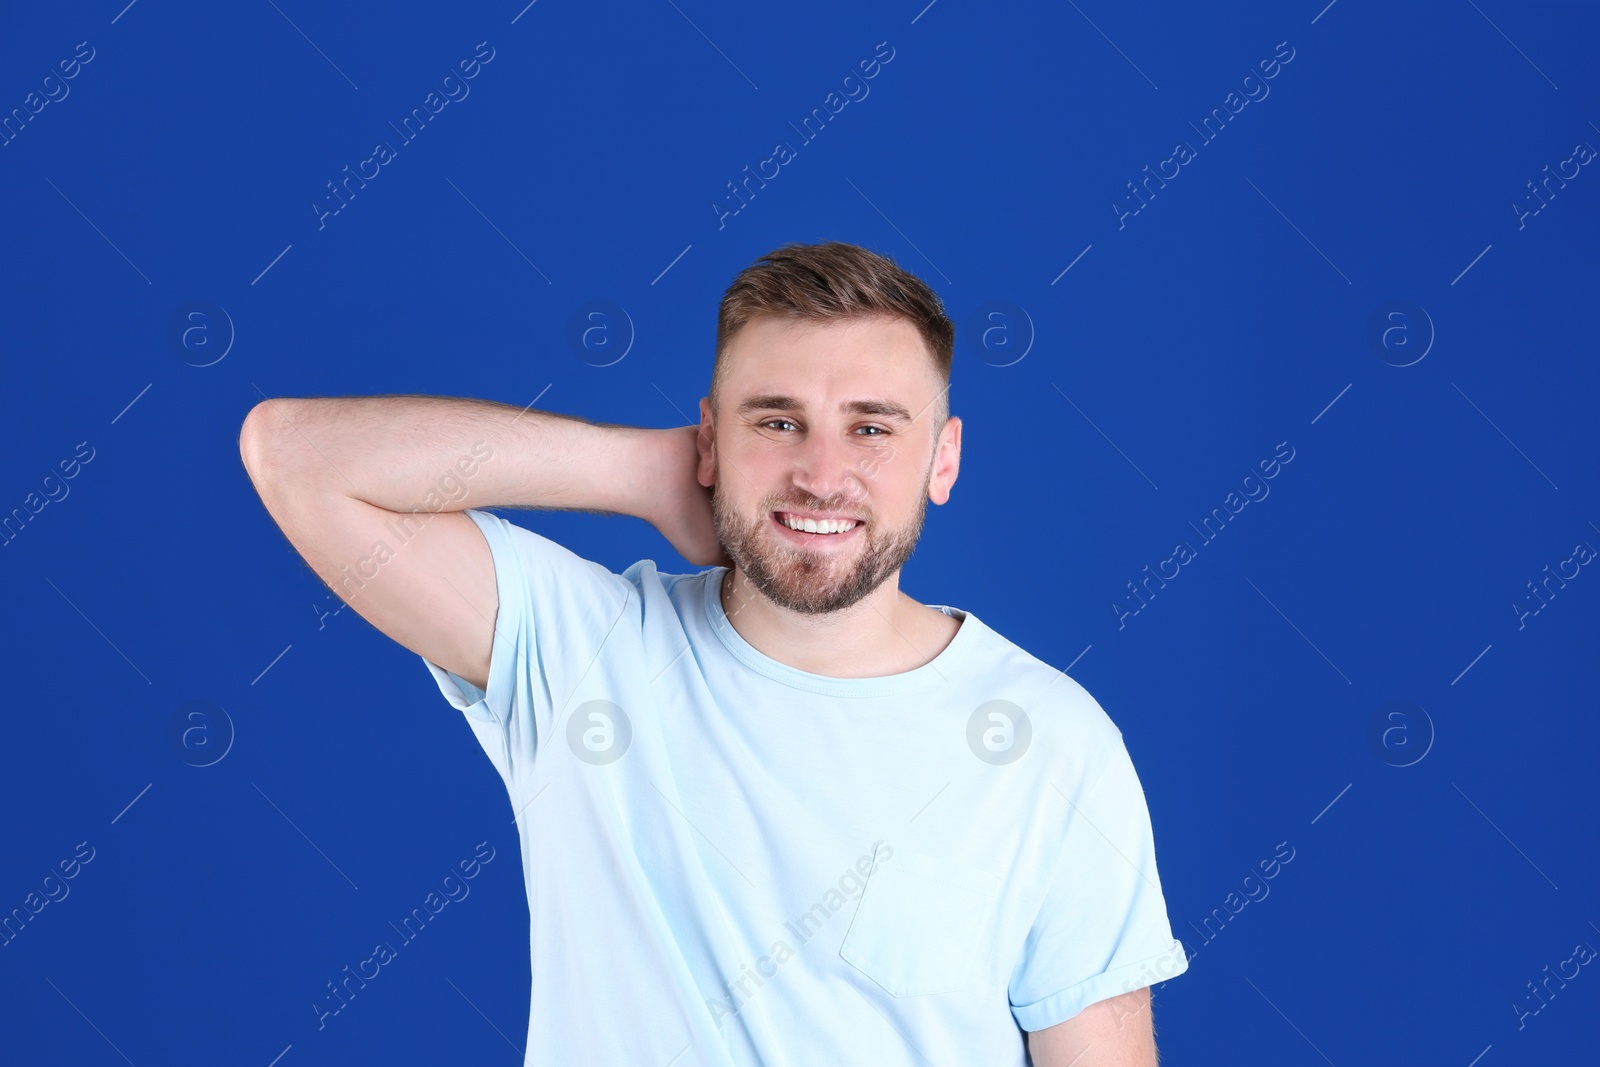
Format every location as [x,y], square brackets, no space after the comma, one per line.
[733,862]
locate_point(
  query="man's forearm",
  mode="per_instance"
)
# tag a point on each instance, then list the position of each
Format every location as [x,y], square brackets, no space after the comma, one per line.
[398,452]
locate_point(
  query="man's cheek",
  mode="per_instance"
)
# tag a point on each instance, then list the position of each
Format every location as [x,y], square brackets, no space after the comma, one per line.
[879,458]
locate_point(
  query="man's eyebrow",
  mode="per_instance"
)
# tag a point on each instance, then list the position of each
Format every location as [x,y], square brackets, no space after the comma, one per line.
[778,402]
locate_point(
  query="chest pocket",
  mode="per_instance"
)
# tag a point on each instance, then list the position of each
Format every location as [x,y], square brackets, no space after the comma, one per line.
[919,922]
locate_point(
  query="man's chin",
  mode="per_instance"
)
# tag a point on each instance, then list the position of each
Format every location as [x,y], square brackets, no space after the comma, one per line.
[830,586]
[809,600]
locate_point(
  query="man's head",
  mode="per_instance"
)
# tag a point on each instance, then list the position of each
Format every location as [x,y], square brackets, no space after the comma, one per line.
[828,282]
[829,398]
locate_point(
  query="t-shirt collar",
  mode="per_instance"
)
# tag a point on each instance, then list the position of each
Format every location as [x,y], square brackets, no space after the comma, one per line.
[936,671]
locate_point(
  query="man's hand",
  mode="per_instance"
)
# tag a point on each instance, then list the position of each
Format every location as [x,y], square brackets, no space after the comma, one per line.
[1109,1033]
[680,507]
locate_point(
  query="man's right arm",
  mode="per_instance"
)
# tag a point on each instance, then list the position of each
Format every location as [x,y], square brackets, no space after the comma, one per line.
[370,491]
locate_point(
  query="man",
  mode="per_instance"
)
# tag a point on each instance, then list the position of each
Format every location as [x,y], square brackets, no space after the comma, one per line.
[776,811]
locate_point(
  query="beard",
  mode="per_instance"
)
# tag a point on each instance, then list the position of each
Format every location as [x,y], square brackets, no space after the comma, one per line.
[811,581]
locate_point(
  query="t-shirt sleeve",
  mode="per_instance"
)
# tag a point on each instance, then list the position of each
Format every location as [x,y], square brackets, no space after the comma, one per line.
[1103,929]
[556,610]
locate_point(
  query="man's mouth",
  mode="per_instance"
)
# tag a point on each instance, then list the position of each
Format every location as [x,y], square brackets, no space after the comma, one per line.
[823,525]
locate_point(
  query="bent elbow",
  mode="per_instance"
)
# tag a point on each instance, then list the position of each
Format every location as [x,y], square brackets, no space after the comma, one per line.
[261,435]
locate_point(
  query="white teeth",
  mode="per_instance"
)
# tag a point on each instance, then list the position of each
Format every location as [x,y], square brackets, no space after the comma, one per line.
[827,526]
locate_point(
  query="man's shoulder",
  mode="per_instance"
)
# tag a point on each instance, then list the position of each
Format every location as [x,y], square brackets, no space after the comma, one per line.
[1048,695]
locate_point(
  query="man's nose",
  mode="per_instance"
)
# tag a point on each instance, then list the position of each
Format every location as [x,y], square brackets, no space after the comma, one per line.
[826,466]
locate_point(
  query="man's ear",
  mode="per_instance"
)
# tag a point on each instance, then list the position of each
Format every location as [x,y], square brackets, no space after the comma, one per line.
[706,472]
[946,461]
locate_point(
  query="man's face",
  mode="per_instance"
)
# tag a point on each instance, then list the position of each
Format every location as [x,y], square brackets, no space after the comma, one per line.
[825,421]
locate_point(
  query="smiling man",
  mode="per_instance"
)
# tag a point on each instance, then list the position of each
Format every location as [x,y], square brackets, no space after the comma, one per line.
[776,810]
[821,474]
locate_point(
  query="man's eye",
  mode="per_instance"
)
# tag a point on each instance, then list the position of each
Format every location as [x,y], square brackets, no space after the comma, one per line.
[877,431]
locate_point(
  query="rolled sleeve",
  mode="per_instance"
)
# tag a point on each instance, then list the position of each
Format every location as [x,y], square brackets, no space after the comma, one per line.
[1103,929]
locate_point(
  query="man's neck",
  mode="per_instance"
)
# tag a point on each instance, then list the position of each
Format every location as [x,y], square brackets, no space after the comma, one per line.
[885,633]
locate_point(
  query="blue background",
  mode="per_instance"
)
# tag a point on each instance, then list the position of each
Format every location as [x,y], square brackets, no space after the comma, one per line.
[1114,404]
